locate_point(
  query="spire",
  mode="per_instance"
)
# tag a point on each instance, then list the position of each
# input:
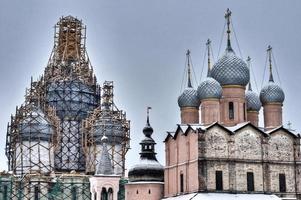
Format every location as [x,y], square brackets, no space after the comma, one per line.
[188,69]
[228,18]
[147,113]
[148,130]
[104,166]
[269,50]
[208,44]
[148,144]
[249,66]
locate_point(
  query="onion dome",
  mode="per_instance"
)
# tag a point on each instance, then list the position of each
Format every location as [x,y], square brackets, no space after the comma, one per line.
[35,125]
[189,97]
[253,102]
[230,69]
[148,168]
[209,88]
[105,165]
[271,93]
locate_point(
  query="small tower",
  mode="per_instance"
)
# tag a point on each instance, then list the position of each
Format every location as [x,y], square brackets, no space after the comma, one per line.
[233,75]
[209,93]
[272,98]
[104,184]
[146,179]
[253,102]
[188,101]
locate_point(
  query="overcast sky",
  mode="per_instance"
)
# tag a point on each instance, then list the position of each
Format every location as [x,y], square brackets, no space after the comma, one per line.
[141,45]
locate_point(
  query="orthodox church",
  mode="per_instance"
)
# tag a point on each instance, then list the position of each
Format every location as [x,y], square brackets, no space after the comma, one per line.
[68,140]
[218,151]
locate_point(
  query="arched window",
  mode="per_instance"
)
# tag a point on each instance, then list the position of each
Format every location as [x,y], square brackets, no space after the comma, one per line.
[36,192]
[104,194]
[74,193]
[231,110]
[110,194]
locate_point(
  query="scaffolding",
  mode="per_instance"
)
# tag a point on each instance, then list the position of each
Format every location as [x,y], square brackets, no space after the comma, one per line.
[40,187]
[110,121]
[53,139]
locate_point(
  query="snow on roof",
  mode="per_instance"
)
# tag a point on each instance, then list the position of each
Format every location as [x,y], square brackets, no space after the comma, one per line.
[147,164]
[224,196]
[236,127]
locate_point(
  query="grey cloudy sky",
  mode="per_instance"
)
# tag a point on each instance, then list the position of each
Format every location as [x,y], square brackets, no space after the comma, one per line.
[141,45]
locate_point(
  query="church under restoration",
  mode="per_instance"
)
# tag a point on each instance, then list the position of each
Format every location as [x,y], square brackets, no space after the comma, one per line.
[54,140]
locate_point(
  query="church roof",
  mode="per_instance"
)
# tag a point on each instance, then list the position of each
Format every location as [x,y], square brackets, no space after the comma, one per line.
[105,165]
[184,129]
[148,168]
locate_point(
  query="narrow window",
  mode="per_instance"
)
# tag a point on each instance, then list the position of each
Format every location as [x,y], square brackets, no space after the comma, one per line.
[149,191]
[137,192]
[95,196]
[250,181]
[104,194]
[282,184]
[36,192]
[110,194]
[231,110]
[244,111]
[5,192]
[74,193]
[181,183]
[219,180]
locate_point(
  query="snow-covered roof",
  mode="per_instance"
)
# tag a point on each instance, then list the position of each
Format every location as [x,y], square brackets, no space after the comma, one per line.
[232,129]
[236,127]
[223,196]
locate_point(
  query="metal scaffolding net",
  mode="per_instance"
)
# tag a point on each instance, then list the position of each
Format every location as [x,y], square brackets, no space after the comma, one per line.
[106,120]
[58,127]
[38,187]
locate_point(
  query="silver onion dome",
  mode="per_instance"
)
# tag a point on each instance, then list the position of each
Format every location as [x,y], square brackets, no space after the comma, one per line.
[35,126]
[209,88]
[230,70]
[271,93]
[189,98]
[253,102]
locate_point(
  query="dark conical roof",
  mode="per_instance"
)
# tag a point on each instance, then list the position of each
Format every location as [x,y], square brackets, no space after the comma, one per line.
[105,165]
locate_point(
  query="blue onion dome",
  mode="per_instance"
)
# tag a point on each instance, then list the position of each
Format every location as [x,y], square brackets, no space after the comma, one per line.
[189,98]
[209,89]
[271,93]
[230,70]
[253,102]
[35,125]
